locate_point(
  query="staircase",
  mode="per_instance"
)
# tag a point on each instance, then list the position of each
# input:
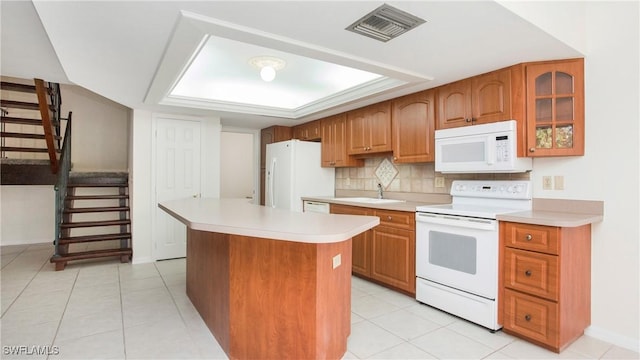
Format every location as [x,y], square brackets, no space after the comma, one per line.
[30,133]
[91,209]
[96,219]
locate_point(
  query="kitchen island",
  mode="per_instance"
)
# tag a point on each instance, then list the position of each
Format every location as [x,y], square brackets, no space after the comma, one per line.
[270,283]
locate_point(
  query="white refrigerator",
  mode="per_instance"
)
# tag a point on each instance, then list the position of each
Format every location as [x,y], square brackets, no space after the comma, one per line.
[293,171]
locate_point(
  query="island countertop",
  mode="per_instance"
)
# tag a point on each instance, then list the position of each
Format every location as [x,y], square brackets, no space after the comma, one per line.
[240,217]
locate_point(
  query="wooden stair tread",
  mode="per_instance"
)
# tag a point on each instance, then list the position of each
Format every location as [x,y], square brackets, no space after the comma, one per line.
[19,105]
[80,224]
[91,254]
[21,121]
[24,149]
[96,209]
[5,85]
[92,238]
[113,184]
[26,135]
[96,197]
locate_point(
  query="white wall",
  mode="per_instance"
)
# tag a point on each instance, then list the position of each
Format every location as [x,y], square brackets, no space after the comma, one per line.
[142,190]
[100,130]
[609,169]
[237,169]
[27,214]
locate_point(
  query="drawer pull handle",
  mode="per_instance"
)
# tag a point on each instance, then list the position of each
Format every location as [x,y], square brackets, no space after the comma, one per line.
[528,237]
[527,317]
[527,273]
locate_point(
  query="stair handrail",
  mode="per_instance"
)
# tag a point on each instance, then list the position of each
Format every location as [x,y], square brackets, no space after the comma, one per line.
[56,103]
[47,123]
[61,184]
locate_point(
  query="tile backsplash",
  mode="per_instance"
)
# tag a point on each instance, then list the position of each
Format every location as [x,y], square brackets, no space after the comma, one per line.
[410,178]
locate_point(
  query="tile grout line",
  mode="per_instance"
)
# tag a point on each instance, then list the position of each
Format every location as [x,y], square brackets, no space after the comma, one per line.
[55,335]
[124,341]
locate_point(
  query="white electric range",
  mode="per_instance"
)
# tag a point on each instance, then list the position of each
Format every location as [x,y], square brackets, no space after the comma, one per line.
[457,248]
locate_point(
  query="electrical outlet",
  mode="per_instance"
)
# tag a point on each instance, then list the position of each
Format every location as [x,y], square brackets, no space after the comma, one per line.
[547,183]
[337,260]
[439,182]
[558,182]
[347,181]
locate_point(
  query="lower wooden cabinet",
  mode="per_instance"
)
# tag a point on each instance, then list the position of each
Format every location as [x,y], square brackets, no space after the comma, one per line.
[386,253]
[546,283]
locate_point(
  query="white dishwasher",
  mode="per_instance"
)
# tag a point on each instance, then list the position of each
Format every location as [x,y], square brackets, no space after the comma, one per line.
[315,206]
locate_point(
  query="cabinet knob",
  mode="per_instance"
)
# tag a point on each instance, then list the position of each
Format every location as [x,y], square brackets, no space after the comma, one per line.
[527,317]
[527,273]
[467,120]
[528,237]
[532,149]
[389,218]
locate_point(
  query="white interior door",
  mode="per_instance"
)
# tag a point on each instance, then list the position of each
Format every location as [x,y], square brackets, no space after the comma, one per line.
[177,176]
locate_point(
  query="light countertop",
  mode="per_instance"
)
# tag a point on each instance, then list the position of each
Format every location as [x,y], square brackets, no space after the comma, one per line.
[409,206]
[239,217]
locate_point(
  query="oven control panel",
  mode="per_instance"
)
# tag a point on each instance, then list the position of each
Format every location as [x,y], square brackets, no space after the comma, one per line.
[505,189]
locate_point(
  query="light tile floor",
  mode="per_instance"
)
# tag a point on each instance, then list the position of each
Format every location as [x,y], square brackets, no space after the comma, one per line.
[109,310]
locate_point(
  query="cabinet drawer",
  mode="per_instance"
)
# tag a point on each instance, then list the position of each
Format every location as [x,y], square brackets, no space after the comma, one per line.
[532,237]
[397,219]
[531,272]
[532,317]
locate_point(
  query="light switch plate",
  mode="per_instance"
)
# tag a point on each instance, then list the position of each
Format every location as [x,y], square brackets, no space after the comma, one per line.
[558,182]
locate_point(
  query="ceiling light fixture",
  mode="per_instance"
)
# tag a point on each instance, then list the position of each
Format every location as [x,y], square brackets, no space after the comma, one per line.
[268,66]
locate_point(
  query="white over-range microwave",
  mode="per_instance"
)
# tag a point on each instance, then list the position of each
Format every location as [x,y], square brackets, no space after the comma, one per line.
[485,148]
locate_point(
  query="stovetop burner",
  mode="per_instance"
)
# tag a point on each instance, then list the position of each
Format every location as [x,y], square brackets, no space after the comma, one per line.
[484,199]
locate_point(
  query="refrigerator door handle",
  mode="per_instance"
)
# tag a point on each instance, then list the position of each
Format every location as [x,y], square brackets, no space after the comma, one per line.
[271,184]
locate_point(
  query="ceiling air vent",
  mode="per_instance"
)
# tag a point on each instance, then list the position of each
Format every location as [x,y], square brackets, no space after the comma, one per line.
[385,23]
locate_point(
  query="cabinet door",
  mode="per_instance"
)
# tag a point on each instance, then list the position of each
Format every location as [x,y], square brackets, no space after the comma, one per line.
[361,243]
[491,97]
[379,127]
[393,257]
[555,108]
[356,129]
[328,143]
[454,105]
[412,127]
[313,130]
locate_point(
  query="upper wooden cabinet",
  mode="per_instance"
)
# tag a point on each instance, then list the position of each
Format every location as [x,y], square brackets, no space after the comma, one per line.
[555,108]
[412,127]
[308,131]
[478,100]
[369,129]
[334,146]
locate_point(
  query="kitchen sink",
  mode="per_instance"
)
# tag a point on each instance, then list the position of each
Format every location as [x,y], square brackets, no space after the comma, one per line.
[367,200]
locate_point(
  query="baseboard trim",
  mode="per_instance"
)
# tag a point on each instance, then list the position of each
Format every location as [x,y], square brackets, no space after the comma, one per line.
[613,338]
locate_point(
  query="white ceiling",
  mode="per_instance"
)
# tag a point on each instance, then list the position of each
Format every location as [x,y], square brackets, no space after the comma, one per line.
[129,51]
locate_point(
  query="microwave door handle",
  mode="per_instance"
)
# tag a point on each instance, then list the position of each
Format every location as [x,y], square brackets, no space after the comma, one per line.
[491,150]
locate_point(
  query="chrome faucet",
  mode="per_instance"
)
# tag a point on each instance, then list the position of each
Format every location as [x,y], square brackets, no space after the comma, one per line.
[379,191]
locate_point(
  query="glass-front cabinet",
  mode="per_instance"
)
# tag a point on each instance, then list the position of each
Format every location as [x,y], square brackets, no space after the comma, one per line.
[555,108]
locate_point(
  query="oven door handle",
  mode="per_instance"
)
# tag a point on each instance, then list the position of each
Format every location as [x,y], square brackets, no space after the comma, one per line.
[458,221]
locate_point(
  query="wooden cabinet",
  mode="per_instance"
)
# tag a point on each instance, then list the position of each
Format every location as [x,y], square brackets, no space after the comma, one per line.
[386,253]
[369,129]
[555,108]
[334,146]
[546,283]
[393,250]
[361,243]
[412,127]
[308,131]
[267,136]
[478,100]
